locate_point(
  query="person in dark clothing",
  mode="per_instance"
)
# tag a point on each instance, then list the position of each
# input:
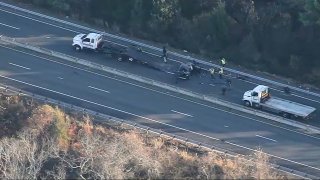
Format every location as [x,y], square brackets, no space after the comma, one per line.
[228,81]
[224,89]
[287,90]
[220,73]
[164,54]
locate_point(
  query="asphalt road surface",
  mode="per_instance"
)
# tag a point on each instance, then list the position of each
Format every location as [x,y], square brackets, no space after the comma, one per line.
[58,37]
[152,107]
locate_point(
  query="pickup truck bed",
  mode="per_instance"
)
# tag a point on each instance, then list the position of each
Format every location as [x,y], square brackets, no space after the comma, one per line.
[289,107]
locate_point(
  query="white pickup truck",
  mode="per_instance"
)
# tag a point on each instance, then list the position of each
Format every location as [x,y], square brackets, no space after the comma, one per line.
[260,98]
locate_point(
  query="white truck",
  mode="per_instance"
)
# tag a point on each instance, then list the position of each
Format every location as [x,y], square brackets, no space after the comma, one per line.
[260,98]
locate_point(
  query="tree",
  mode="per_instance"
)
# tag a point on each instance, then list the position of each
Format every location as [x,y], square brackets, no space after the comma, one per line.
[23,158]
[242,11]
[163,14]
[213,28]
[311,16]
[193,8]
[140,15]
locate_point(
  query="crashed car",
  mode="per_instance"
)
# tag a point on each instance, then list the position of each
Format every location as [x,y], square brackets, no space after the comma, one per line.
[184,70]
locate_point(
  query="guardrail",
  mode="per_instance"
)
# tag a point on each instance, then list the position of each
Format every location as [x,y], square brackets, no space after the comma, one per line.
[113,121]
[204,62]
[310,129]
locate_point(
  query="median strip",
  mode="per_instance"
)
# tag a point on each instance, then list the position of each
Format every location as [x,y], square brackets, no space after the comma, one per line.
[310,129]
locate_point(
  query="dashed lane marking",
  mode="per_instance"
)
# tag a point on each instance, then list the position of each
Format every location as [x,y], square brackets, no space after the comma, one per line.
[19,66]
[9,26]
[266,138]
[98,89]
[185,114]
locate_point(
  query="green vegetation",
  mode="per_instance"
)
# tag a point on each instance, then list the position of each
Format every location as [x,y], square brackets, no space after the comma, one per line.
[46,142]
[276,36]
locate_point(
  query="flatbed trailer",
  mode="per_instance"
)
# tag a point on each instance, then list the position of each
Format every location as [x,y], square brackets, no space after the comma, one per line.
[288,107]
[136,54]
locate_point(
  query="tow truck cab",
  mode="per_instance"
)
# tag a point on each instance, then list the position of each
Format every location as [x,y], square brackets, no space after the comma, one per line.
[90,41]
[258,95]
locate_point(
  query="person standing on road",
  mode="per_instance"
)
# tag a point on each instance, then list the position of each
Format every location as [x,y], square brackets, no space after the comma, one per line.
[164,54]
[211,70]
[223,62]
[220,73]
[224,90]
[228,82]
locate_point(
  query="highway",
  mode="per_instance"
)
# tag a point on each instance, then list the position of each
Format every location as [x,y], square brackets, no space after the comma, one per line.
[58,37]
[152,107]
[126,99]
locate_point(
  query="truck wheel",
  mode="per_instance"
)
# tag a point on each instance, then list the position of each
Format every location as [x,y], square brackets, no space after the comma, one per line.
[285,115]
[77,48]
[247,103]
[257,106]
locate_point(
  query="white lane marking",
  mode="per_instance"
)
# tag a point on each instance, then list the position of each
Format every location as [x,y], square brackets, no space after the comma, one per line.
[170,72]
[185,114]
[266,138]
[116,43]
[60,77]
[226,126]
[165,93]
[9,26]
[40,21]
[305,98]
[259,84]
[212,85]
[19,66]
[193,132]
[98,89]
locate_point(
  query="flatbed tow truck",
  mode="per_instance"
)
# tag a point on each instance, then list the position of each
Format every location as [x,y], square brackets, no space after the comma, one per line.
[133,53]
[260,98]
